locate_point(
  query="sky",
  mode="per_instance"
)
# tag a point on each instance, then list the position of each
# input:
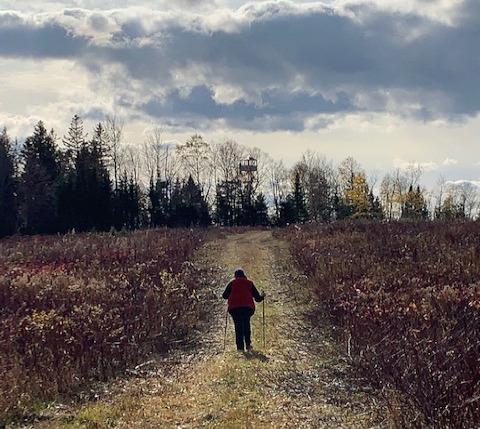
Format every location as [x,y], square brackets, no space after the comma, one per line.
[388,82]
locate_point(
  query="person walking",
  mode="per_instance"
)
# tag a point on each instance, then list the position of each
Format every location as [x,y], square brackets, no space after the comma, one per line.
[241,294]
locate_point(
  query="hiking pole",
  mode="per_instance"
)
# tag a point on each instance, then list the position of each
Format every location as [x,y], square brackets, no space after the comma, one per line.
[264,323]
[225,335]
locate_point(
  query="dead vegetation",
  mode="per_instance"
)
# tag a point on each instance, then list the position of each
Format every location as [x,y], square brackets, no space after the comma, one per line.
[81,308]
[299,377]
[407,299]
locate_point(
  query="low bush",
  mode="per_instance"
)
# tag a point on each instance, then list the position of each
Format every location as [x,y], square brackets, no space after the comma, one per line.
[408,298]
[81,307]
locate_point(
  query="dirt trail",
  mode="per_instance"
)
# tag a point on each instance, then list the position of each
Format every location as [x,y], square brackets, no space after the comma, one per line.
[299,380]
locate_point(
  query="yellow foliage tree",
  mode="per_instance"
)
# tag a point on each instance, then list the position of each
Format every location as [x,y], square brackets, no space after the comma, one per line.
[357,193]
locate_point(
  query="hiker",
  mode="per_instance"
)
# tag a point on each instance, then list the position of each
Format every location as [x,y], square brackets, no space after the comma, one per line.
[241,293]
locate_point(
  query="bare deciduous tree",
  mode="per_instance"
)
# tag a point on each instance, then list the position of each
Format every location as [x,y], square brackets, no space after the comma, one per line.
[114,128]
[279,179]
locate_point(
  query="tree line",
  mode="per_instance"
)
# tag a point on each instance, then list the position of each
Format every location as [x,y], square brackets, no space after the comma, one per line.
[96,182]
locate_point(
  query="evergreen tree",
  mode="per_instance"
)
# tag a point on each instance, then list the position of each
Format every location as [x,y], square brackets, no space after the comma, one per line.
[375,207]
[287,211]
[100,195]
[261,210]
[127,204]
[39,181]
[408,209]
[85,190]
[8,202]
[135,206]
[189,207]
[75,139]
[301,213]
[228,203]
[414,206]
[223,209]
[158,206]
[66,200]
[341,208]
[175,217]
[421,204]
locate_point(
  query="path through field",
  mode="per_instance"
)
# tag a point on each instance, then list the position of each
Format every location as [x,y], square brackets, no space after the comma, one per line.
[300,379]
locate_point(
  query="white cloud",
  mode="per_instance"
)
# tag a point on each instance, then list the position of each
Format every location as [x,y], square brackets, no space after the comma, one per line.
[426,166]
[407,165]
[449,162]
[463,183]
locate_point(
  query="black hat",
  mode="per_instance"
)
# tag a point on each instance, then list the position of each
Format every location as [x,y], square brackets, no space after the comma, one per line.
[239,273]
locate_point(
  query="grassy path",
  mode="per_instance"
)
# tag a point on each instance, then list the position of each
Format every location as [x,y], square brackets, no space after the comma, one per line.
[299,380]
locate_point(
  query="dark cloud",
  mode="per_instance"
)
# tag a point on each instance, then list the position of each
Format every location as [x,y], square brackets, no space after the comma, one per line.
[20,38]
[277,110]
[98,22]
[297,60]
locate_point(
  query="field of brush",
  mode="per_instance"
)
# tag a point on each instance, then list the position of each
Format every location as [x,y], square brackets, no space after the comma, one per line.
[407,299]
[84,307]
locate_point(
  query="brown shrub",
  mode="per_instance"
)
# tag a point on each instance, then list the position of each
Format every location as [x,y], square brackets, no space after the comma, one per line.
[408,298]
[81,307]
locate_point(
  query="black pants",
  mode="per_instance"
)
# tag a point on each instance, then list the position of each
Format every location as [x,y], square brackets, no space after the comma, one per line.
[241,319]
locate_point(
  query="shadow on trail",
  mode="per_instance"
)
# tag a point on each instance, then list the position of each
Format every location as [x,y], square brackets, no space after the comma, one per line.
[254,354]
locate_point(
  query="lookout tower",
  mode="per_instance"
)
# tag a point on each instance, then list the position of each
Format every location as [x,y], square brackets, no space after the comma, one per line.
[248,166]
[248,173]
[248,170]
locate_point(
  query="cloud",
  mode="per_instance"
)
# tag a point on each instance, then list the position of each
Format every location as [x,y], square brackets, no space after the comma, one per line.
[425,165]
[464,183]
[407,165]
[449,162]
[276,110]
[285,63]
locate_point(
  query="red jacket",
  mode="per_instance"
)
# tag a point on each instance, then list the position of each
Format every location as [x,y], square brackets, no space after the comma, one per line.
[241,292]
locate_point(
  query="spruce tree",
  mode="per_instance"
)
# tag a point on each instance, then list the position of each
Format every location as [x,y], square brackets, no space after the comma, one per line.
[247,210]
[85,191]
[301,213]
[127,204]
[414,206]
[421,204]
[101,184]
[188,206]
[287,211]
[134,218]
[157,203]
[261,210]
[228,202]
[196,208]
[222,207]
[408,209]
[8,200]
[75,139]
[375,206]
[341,208]
[39,181]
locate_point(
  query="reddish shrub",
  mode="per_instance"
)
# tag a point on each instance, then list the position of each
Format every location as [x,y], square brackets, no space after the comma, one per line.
[408,298]
[81,307]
